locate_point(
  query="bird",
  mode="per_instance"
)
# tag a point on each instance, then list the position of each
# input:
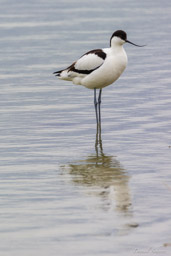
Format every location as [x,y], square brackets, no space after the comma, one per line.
[99,68]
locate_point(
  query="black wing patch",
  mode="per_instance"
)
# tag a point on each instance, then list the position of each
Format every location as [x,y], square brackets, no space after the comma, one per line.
[99,52]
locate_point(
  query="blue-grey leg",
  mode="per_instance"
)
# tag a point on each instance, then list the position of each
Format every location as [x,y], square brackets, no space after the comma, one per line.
[98,142]
[99,103]
[95,105]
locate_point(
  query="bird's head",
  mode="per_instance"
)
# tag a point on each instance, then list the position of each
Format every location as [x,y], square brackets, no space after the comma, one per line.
[119,37]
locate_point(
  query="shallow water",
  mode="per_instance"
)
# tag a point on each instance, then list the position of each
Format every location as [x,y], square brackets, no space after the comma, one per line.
[60,193]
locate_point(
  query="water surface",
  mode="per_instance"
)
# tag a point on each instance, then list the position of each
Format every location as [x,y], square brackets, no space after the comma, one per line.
[60,193]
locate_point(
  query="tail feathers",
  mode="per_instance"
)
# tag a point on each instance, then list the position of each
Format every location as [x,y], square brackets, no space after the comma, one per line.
[57,73]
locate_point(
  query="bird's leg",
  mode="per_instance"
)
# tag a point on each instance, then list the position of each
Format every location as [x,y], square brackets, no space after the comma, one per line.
[99,103]
[98,142]
[95,105]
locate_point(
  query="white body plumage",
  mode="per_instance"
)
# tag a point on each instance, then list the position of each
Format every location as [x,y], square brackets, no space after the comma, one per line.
[98,68]
[108,72]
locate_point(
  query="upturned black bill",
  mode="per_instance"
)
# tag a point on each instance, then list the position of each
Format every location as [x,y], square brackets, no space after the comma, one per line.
[134,44]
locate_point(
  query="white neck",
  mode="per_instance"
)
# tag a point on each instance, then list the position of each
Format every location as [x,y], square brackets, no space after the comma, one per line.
[117,42]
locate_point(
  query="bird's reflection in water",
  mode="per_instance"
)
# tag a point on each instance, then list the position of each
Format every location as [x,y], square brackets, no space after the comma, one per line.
[108,178]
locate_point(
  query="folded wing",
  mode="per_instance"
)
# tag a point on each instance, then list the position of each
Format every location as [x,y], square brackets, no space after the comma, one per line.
[86,64]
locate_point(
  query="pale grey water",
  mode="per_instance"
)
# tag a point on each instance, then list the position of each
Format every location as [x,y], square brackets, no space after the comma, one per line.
[57,197]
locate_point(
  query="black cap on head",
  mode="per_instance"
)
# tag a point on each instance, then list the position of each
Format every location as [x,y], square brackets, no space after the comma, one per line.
[122,34]
[119,33]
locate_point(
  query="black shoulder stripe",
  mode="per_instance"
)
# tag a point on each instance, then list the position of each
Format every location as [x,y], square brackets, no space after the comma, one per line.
[99,52]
